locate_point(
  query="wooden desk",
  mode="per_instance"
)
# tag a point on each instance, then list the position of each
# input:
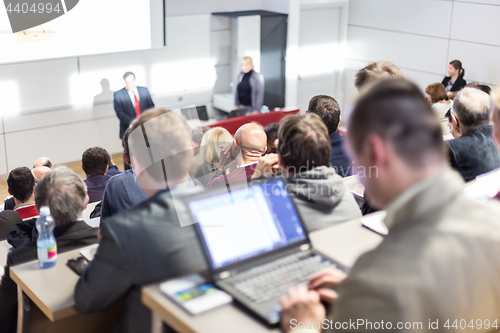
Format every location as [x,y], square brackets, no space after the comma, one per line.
[344,242]
[50,289]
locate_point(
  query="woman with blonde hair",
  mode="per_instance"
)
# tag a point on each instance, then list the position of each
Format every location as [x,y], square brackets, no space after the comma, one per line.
[249,88]
[210,153]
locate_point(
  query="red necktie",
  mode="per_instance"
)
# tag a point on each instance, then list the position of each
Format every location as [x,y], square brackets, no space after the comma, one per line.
[137,106]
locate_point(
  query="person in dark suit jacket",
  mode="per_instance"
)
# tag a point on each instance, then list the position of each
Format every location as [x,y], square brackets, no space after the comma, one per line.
[55,189]
[8,220]
[474,152]
[150,242]
[328,110]
[126,106]
[455,81]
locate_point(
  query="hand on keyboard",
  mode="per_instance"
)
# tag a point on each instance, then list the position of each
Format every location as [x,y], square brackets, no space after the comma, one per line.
[324,281]
[300,305]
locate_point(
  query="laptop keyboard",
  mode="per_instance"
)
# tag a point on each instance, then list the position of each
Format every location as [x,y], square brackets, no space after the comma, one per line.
[274,279]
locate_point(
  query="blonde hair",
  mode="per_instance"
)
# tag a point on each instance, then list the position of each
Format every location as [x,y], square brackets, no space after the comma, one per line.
[377,71]
[248,60]
[209,147]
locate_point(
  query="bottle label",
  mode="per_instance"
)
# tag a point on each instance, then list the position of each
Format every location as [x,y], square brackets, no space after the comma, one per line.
[47,253]
[52,252]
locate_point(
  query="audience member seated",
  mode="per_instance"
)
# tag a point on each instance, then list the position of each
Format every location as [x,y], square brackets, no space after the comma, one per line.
[21,185]
[474,152]
[148,243]
[455,81]
[197,137]
[95,162]
[112,168]
[436,95]
[374,72]
[64,193]
[39,172]
[317,190]
[439,259]
[210,153]
[8,219]
[454,131]
[25,231]
[272,134]
[121,192]
[248,146]
[365,78]
[328,110]
[43,161]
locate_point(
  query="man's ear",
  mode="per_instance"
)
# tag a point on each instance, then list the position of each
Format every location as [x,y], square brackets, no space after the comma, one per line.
[455,122]
[376,150]
[10,193]
[126,158]
[107,168]
[280,161]
[264,151]
[86,202]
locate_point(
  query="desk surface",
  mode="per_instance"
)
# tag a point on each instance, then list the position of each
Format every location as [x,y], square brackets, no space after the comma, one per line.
[344,242]
[50,289]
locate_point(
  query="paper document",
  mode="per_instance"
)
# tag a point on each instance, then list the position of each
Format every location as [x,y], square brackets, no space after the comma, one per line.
[375,222]
[89,254]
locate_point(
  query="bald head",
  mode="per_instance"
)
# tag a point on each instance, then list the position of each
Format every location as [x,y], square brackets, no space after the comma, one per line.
[252,140]
[39,172]
[43,161]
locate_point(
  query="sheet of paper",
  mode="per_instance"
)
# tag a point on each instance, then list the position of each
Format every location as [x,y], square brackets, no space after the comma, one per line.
[375,222]
[89,254]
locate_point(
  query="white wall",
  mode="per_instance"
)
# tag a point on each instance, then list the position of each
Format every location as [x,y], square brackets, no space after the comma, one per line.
[422,37]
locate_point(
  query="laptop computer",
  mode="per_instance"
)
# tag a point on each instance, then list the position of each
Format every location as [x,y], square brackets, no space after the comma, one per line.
[198,112]
[255,244]
[238,112]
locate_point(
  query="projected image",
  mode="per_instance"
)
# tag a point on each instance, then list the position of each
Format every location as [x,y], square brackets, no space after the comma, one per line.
[91,27]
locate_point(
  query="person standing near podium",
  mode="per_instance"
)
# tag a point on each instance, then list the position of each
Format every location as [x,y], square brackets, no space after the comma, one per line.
[130,102]
[249,88]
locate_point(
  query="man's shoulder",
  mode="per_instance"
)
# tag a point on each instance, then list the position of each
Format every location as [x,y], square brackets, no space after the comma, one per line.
[118,92]
[121,178]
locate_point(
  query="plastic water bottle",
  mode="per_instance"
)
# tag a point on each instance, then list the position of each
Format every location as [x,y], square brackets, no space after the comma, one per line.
[46,242]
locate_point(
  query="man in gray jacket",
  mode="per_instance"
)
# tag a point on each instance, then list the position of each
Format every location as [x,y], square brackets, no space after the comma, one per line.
[316,189]
[153,241]
[438,267]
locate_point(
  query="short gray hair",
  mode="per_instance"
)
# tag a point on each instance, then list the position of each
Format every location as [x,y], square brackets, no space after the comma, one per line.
[472,107]
[64,192]
[160,140]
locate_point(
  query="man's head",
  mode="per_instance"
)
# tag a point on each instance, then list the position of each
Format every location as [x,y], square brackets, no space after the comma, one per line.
[160,148]
[197,135]
[395,137]
[129,78]
[39,172]
[482,87]
[377,71]
[327,109]
[303,143]
[95,161]
[64,192]
[471,110]
[21,184]
[251,140]
[43,161]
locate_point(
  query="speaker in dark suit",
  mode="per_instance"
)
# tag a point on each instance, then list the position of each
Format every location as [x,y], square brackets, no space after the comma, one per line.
[131,101]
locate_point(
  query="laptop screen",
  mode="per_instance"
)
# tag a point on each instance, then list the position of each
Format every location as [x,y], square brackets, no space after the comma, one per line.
[247,222]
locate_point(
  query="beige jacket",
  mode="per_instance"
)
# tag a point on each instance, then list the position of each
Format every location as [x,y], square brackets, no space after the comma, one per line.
[440,261]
